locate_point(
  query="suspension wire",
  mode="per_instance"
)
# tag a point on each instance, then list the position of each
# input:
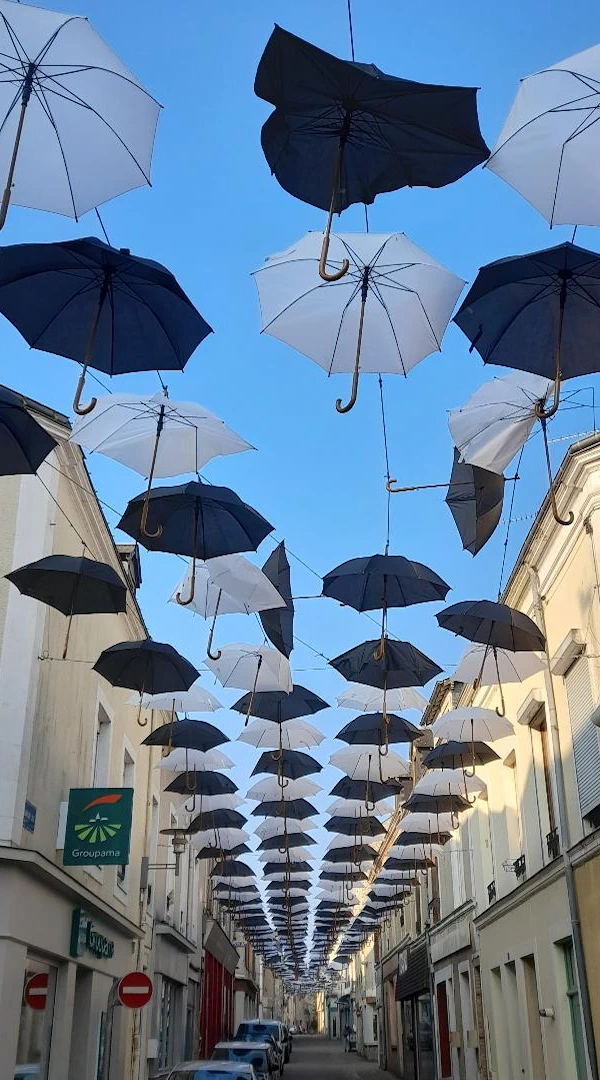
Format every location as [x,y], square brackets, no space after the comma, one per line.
[387,465]
[351,29]
[509,523]
[366,218]
[101,223]
[573,236]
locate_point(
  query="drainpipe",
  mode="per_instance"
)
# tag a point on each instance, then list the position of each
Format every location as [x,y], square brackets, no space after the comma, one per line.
[563,825]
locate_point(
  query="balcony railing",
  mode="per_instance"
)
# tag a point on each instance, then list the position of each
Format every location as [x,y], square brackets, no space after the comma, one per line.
[491,891]
[553,844]
[519,866]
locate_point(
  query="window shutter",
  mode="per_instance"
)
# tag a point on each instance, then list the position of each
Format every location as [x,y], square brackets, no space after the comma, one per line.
[586,748]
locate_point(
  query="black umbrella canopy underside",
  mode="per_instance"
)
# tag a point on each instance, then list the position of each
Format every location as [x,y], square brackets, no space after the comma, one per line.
[191,734]
[394,132]
[297,809]
[215,819]
[489,623]
[364,790]
[371,729]
[203,782]
[278,623]
[376,582]
[72,584]
[355,826]
[459,755]
[475,498]
[24,443]
[150,667]
[277,706]
[401,665]
[292,764]
[286,843]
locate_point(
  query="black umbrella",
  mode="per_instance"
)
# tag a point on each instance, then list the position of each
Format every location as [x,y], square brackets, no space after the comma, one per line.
[103,307]
[278,623]
[295,867]
[150,667]
[541,313]
[353,874]
[197,519]
[298,809]
[475,500]
[409,839]
[383,581]
[408,864]
[286,841]
[459,755]
[282,886]
[437,804]
[366,730]
[355,826]
[345,132]
[73,585]
[223,889]
[351,854]
[191,734]
[278,706]
[210,852]
[401,664]
[292,764]
[493,624]
[369,790]
[204,782]
[24,443]
[214,819]
[232,868]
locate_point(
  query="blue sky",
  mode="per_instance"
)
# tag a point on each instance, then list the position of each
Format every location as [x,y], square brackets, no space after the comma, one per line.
[214,213]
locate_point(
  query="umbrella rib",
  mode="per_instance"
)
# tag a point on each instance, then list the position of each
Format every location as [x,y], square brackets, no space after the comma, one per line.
[534,119]
[297,299]
[87,286]
[540,295]
[41,96]
[126,285]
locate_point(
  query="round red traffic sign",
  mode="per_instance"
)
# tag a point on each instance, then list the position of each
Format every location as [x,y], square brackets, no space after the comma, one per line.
[135,990]
[36,991]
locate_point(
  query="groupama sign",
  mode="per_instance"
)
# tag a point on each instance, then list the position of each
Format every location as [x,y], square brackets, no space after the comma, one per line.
[98,827]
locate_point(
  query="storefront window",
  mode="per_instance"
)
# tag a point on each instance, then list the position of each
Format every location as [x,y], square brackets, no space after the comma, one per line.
[167,1022]
[425,1033]
[35,1027]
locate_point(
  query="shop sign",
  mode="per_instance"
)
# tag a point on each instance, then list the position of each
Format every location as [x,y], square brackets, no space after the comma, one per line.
[85,938]
[98,827]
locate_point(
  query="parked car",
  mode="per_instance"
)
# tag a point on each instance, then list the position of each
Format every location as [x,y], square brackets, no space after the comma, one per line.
[26,1072]
[213,1070]
[260,1055]
[288,1043]
[259,1030]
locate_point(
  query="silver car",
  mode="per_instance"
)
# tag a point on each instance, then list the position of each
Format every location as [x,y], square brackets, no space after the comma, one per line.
[260,1055]
[213,1070]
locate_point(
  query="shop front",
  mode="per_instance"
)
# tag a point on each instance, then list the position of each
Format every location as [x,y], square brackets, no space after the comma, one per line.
[458,1012]
[173,1041]
[216,1009]
[62,952]
[413,992]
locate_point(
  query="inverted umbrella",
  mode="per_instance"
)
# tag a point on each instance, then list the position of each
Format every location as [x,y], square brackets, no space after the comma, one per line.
[253,668]
[388,314]
[343,132]
[147,666]
[541,313]
[24,443]
[278,623]
[366,730]
[372,699]
[77,128]
[105,308]
[74,585]
[193,734]
[474,498]
[288,736]
[280,706]
[548,146]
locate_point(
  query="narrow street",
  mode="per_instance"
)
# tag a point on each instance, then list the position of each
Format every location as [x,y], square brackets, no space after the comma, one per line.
[314,1056]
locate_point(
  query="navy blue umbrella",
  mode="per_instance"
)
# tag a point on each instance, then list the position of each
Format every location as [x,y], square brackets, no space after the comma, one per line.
[213,819]
[398,663]
[355,826]
[203,782]
[150,667]
[278,623]
[99,305]
[210,852]
[286,841]
[475,498]
[343,132]
[290,763]
[191,734]
[24,443]
[292,808]
[278,706]
[369,730]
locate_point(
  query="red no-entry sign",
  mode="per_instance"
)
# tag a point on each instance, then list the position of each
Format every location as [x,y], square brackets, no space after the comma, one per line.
[36,991]
[135,990]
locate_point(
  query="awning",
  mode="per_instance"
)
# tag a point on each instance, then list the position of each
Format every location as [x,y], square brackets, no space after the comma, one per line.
[413,971]
[218,944]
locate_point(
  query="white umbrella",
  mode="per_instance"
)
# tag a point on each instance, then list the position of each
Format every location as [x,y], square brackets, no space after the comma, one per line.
[448,782]
[471,724]
[342,840]
[283,875]
[182,759]
[549,146]
[213,802]
[496,421]
[299,854]
[415,852]
[387,313]
[382,888]
[220,839]
[196,699]
[269,735]
[363,763]
[487,666]
[277,826]
[270,789]
[155,436]
[351,807]
[252,667]
[371,699]
[76,127]
[427,823]
[401,875]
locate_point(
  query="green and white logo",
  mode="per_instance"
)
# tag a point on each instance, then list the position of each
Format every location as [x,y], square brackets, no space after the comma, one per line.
[98,826]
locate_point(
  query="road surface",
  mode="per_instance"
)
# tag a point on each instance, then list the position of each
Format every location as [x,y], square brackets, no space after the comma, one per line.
[314,1057]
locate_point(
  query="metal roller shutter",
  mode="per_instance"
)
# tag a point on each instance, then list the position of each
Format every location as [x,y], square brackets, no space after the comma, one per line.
[586,746]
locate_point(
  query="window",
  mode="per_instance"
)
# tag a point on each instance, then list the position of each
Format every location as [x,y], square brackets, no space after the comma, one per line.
[35,1026]
[586,749]
[127,782]
[443,1029]
[374,1026]
[101,749]
[574,1010]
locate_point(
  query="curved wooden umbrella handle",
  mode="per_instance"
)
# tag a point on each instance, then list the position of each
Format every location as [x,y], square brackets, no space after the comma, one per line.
[211,655]
[82,410]
[354,392]
[323,272]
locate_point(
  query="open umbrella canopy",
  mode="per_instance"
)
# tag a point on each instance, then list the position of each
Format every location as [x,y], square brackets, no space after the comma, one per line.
[196,519]
[355,826]
[495,422]
[342,873]
[294,808]
[487,666]
[252,667]
[280,706]
[366,730]
[436,804]
[232,868]
[402,664]
[447,782]
[548,146]
[483,725]
[289,763]
[347,788]
[292,867]
[269,789]
[294,733]
[181,759]
[383,132]
[459,755]
[196,699]
[493,624]
[216,802]
[361,763]
[192,734]
[76,122]
[103,307]
[226,585]
[282,844]
[278,623]
[146,666]
[350,854]
[407,865]
[278,826]
[72,584]
[475,497]
[205,782]
[349,807]
[224,846]
[383,581]
[212,820]
[272,854]
[372,699]
[24,443]
[154,435]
